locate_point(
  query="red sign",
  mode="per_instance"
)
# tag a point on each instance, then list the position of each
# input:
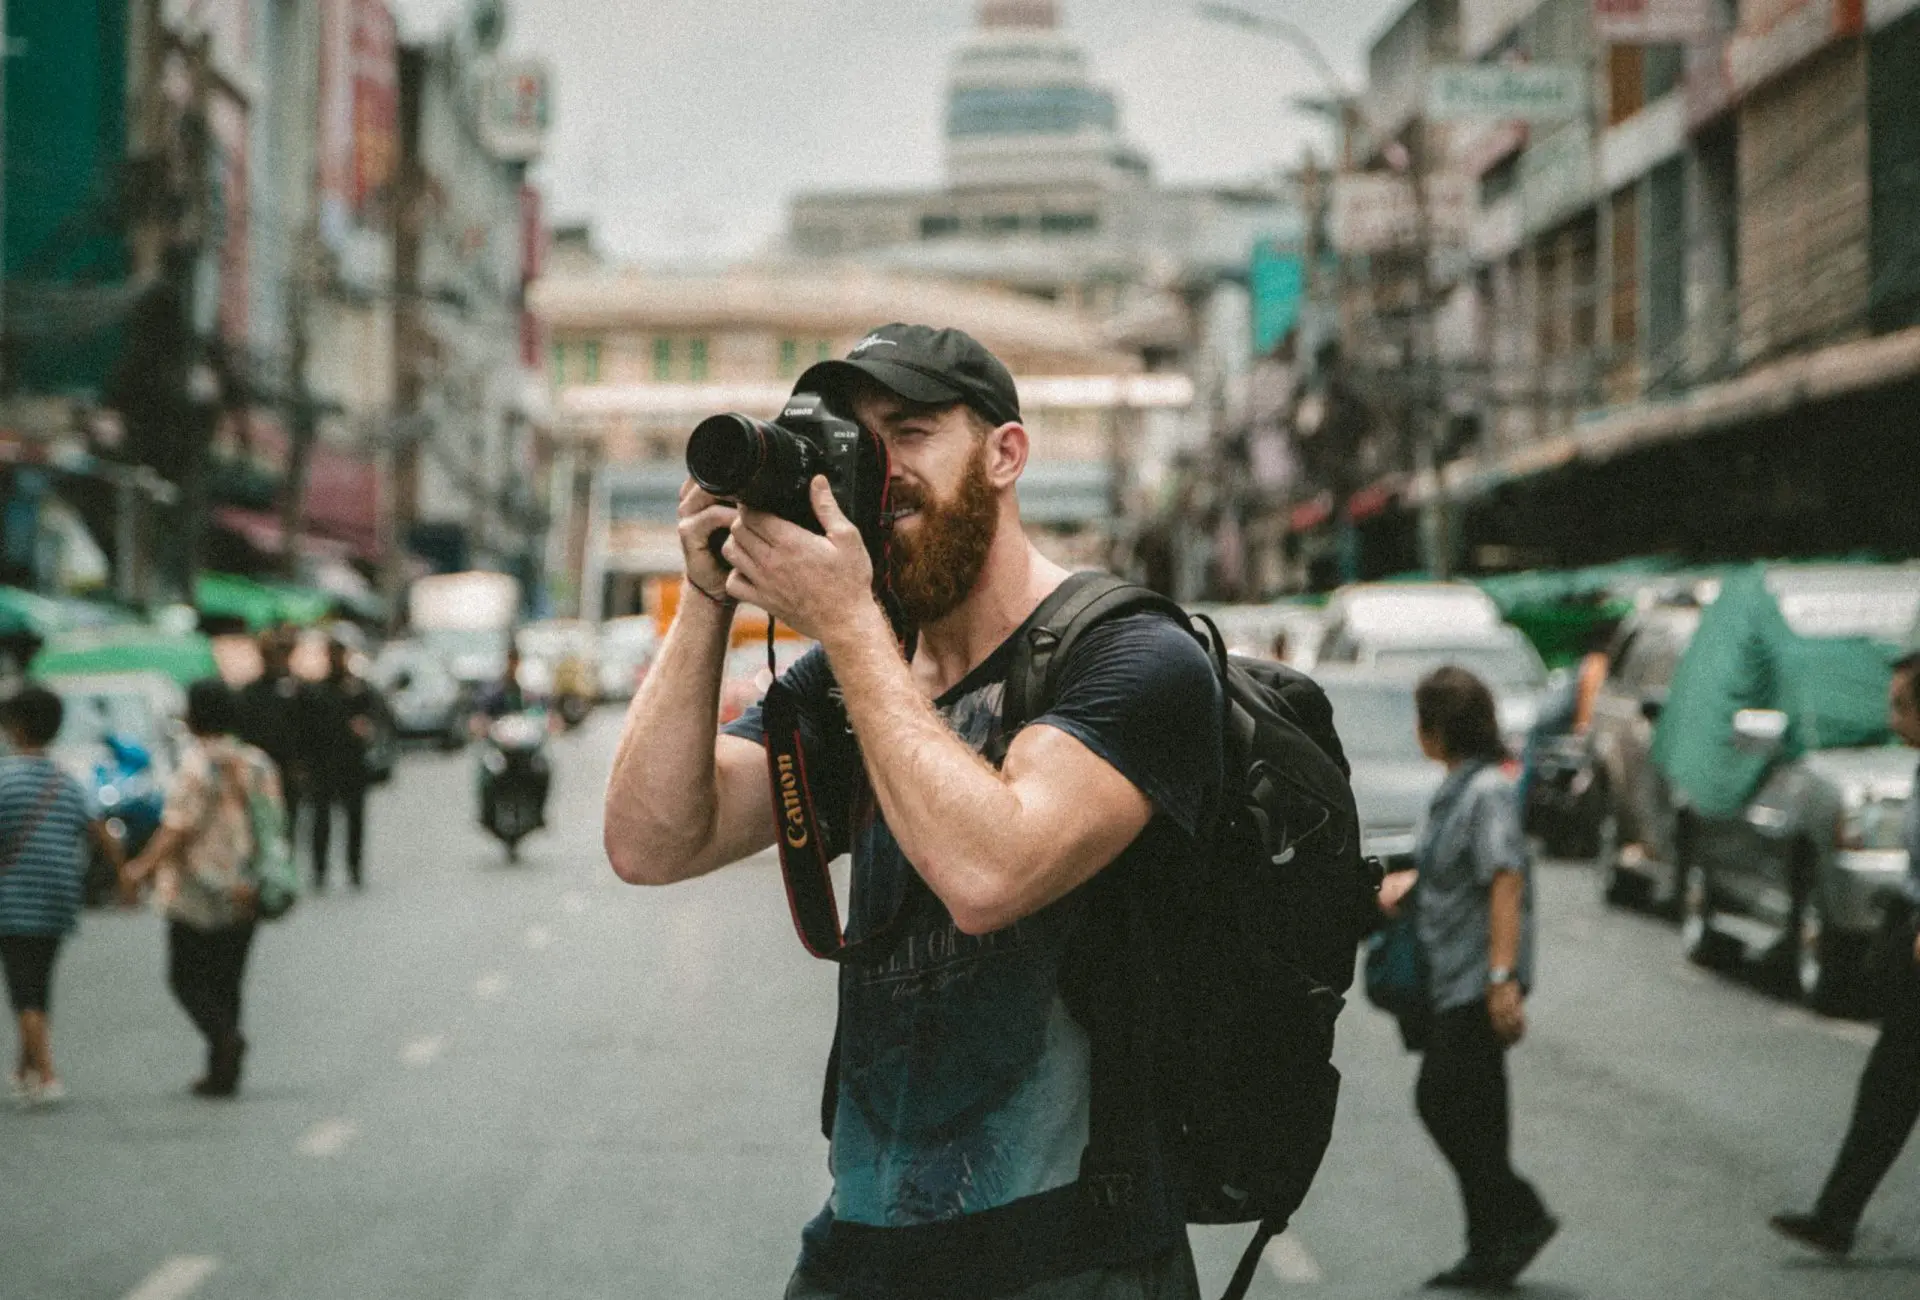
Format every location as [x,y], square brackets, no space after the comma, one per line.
[359,108]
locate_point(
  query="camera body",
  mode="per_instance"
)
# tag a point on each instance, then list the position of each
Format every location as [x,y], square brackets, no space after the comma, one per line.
[771,466]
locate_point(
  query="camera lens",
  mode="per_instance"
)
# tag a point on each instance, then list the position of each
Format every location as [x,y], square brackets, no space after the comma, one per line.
[725,452]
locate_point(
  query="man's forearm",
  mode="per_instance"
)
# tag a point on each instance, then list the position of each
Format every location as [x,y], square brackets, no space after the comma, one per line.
[662,798]
[955,819]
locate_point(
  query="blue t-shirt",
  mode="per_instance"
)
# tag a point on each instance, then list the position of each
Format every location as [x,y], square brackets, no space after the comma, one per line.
[1471,834]
[40,890]
[964,1074]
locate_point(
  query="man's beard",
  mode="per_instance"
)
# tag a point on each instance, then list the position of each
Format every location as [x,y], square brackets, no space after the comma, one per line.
[934,568]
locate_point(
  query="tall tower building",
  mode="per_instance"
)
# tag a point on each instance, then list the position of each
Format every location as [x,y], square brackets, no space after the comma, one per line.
[1022,108]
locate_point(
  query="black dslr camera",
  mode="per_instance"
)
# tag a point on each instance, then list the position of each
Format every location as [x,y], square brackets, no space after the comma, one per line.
[770,467]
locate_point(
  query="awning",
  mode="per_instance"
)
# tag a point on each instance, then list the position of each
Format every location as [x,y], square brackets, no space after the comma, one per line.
[1764,393]
[259,604]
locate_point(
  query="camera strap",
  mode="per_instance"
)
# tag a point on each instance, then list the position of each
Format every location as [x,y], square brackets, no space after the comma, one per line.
[805,842]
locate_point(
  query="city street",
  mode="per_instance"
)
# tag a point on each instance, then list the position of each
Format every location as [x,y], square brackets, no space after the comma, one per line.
[479,1081]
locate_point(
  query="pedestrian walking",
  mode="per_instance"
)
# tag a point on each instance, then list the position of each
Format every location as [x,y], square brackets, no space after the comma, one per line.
[968,1160]
[44,828]
[343,710]
[273,713]
[200,856]
[1887,1104]
[1474,918]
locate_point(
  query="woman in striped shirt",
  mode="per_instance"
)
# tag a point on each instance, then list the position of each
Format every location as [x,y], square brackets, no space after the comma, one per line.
[44,822]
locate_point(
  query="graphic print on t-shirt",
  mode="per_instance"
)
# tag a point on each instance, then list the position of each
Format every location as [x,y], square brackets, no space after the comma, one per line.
[963,1078]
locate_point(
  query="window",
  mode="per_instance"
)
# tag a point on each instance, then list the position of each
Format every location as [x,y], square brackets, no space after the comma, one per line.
[663,359]
[934,227]
[789,358]
[559,354]
[823,350]
[1002,223]
[697,361]
[590,361]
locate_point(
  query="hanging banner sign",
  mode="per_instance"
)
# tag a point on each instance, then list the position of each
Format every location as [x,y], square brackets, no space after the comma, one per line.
[1506,92]
[1653,22]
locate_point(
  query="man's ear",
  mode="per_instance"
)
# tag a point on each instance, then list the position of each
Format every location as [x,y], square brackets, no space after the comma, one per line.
[1007,450]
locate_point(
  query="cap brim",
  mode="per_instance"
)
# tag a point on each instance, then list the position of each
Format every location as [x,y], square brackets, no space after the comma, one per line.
[830,379]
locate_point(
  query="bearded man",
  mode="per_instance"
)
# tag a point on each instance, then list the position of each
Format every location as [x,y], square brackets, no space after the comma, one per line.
[989,1137]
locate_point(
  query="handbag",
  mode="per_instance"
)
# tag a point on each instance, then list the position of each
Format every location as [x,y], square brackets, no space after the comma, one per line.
[1397,976]
[269,867]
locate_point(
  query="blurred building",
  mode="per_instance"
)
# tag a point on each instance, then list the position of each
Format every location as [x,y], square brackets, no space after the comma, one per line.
[209,316]
[469,404]
[1685,318]
[636,359]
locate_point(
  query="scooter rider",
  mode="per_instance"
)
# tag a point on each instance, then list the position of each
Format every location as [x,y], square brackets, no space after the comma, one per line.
[505,699]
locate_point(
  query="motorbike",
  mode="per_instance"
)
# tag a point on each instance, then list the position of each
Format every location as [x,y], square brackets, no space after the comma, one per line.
[514,777]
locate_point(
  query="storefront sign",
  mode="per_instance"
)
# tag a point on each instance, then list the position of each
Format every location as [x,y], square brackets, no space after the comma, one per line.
[1506,92]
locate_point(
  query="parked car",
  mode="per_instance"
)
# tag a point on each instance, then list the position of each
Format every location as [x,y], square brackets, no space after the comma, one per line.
[1633,836]
[424,697]
[119,740]
[1406,610]
[1801,872]
[1393,781]
[1254,629]
[627,648]
[1497,654]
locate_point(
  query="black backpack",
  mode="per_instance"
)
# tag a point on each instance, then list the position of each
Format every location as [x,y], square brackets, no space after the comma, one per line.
[1252,950]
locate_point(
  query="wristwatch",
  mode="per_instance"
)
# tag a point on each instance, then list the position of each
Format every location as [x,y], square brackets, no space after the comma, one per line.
[1500,975]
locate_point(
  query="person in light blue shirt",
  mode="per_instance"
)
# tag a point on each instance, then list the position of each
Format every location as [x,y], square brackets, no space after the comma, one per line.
[1888,1103]
[1474,915]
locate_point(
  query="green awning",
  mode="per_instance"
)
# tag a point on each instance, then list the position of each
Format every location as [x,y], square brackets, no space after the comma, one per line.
[260,604]
[125,649]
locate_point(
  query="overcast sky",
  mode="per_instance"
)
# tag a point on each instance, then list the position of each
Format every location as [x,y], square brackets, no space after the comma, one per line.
[682,126]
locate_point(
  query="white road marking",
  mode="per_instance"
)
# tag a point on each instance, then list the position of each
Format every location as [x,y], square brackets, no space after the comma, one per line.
[573,903]
[176,1279]
[489,987]
[423,1051]
[1290,1262]
[538,937]
[328,1138]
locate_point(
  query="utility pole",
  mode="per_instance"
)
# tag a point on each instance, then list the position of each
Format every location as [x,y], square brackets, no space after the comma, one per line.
[303,425]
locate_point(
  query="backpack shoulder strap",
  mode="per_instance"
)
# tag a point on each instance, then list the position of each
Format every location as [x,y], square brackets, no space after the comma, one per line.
[1077,604]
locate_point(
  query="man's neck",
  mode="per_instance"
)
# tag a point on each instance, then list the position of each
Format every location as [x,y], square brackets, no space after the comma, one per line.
[1012,583]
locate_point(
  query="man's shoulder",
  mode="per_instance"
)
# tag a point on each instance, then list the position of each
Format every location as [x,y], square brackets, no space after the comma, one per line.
[1147,642]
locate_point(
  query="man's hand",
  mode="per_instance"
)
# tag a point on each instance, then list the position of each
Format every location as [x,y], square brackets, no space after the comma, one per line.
[811,583]
[1508,1011]
[1916,949]
[701,515]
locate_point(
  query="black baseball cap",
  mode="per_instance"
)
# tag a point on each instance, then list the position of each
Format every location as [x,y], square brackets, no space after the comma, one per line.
[922,364]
